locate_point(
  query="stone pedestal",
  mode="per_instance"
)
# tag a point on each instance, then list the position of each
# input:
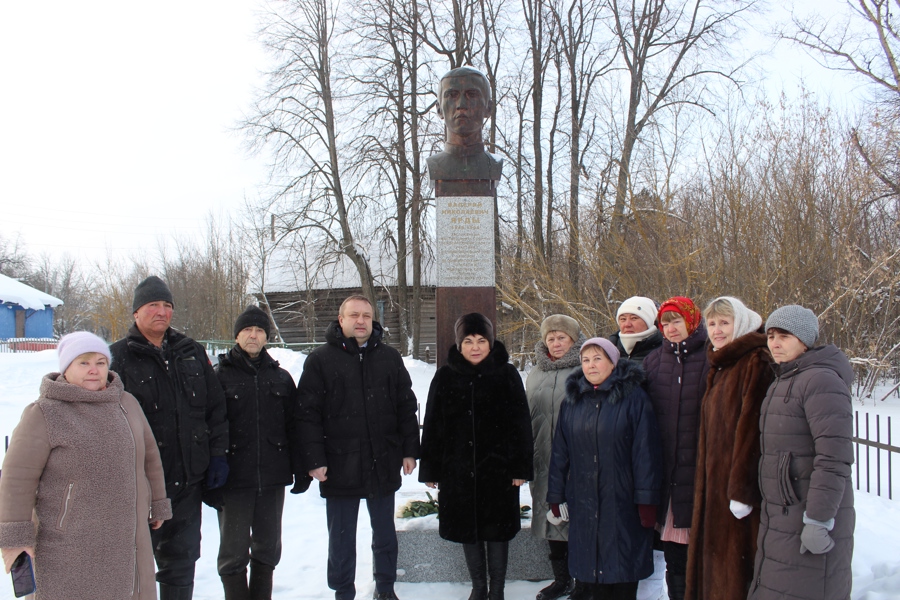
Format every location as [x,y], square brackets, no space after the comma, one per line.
[425,557]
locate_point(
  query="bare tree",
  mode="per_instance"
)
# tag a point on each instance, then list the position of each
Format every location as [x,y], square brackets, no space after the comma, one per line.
[14,260]
[296,120]
[540,36]
[864,43]
[661,43]
[586,61]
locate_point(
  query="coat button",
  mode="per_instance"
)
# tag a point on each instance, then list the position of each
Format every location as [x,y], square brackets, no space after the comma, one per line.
[470,442]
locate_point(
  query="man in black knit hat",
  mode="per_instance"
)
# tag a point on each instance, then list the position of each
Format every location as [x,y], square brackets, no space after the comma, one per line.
[264,457]
[173,380]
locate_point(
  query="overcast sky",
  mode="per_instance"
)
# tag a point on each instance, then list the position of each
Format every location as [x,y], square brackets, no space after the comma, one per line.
[118,117]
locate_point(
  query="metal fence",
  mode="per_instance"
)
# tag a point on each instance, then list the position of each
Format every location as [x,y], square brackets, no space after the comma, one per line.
[880,446]
[10,345]
[216,347]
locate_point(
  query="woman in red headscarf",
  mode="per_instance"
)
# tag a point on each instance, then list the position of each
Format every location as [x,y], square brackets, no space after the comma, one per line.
[676,381]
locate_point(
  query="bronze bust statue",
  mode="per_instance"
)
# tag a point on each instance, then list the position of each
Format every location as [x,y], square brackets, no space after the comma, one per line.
[464,102]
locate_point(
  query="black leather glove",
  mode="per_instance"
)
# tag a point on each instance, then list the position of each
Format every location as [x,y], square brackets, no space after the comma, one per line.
[301,483]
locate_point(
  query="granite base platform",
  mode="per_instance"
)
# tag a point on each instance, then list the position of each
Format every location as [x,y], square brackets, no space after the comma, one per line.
[425,557]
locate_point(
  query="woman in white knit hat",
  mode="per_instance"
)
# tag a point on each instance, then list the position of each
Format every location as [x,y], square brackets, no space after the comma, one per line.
[83,483]
[638,335]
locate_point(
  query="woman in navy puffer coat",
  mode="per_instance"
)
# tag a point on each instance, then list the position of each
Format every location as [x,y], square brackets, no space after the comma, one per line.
[606,468]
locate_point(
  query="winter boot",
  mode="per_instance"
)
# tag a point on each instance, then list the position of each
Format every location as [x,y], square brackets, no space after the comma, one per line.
[175,592]
[562,582]
[477,570]
[236,586]
[497,556]
[676,585]
[260,581]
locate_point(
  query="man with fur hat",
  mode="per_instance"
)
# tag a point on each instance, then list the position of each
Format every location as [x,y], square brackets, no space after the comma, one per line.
[358,429]
[174,382]
[264,457]
[638,335]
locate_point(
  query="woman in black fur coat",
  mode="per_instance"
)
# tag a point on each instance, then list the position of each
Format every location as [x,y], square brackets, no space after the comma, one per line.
[477,448]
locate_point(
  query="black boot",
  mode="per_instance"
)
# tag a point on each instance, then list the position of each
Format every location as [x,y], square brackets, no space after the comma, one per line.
[676,585]
[562,582]
[475,561]
[175,592]
[236,586]
[260,581]
[497,556]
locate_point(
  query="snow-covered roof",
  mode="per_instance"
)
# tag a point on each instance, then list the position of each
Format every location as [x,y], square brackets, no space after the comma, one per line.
[16,292]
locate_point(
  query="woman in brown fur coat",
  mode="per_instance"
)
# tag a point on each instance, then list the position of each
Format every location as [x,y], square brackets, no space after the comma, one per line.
[83,483]
[726,494]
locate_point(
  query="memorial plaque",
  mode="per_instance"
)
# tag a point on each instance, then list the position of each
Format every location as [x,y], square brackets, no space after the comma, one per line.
[465,241]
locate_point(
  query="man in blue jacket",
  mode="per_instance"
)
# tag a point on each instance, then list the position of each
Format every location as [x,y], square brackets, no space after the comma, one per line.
[358,429]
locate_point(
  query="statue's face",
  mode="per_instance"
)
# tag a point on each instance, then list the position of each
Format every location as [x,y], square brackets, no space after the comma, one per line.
[464,104]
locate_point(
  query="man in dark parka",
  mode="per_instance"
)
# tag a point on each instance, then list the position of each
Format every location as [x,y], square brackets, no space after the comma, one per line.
[263,456]
[174,382]
[358,427]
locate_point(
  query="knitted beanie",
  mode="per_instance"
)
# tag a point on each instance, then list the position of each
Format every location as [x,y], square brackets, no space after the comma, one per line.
[253,316]
[796,320]
[641,306]
[473,324]
[152,289]
[608,347]
[567,325]
[75,344]
[684,307]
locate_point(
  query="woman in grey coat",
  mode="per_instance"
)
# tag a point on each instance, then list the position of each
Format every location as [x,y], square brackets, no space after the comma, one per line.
[555,358]
[807,519]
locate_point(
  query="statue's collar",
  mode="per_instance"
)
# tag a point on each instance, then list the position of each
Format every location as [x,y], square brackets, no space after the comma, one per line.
[457,150]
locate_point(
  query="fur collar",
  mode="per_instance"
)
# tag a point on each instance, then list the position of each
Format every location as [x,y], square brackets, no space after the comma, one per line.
[572,358]
[54,387]
[734,351]
[627,376]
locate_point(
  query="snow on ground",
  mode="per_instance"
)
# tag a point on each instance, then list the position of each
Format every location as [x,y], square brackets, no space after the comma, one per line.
[301,573]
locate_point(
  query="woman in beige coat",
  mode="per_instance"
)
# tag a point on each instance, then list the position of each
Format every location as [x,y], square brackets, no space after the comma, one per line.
[82,483]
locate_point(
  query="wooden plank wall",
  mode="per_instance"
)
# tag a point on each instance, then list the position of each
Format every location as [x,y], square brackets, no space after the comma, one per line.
[303,317]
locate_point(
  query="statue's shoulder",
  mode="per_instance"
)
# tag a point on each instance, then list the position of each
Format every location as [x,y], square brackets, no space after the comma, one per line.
[446,166]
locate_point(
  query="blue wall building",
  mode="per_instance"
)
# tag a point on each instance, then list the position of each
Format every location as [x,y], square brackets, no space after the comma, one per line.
[25,312]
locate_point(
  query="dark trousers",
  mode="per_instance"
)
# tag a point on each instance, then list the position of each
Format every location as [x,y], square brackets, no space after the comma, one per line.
[341,514]
[250,527]
[614,591]
[176,545]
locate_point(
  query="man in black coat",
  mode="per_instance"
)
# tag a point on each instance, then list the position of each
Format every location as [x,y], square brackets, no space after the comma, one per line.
[173,380]
[358,428]
[263,456]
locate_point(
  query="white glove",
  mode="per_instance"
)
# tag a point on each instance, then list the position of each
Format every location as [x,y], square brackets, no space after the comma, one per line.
[563,515]
[740,510]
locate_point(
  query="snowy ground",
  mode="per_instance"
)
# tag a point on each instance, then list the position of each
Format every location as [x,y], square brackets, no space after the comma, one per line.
[301,574]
